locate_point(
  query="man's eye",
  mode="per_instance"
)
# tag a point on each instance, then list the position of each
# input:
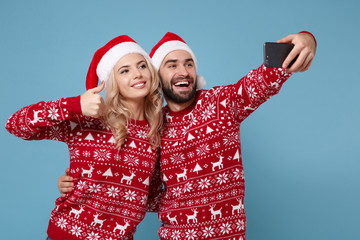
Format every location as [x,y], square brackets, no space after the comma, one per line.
[189,65]
[172,66]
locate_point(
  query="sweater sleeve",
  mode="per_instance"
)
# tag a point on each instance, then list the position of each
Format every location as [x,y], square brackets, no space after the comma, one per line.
[155,191]
[255,88]
[44,120]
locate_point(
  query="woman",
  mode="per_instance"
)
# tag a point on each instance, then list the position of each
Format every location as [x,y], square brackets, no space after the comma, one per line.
[113,145]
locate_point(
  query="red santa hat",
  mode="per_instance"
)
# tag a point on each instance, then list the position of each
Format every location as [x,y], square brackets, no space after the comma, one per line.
[171,42]
[106,57]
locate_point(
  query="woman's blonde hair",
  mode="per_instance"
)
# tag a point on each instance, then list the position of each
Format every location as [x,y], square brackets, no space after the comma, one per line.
[117,113]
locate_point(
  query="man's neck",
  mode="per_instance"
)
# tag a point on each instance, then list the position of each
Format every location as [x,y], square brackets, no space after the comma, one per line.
[177,107]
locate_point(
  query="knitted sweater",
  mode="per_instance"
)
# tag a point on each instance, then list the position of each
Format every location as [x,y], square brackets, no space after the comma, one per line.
[201,163]
[111,186]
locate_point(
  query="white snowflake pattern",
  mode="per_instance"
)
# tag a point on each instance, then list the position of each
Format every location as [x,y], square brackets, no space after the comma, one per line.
[81,184]
[95,188]
[184,130]
[251,91]
[177,158]
[171,133]
[145,164]
[225,228]
[144,199]
[204,200]
[62,223]
[236,174]
[86,154]
[193,120]
[117,157]
[113,192]
[176,235]
[216,145]
[102,155]
[55,133]
[141,134]
[230,139]
[53,113]
[74,153]
[191,154]
[190,234]
[204,183]
[176,191]
[222,178]
[111,209]
[76,230]
[93,236]
[187,187]
[203,149]
[208,232]
[130,195]
[240,225]
[131,160]
[210,110]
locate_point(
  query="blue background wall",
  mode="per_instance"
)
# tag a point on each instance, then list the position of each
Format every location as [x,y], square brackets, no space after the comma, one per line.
[300,149]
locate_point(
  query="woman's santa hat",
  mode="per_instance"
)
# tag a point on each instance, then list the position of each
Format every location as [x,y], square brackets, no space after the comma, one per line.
[106,58]
[171,42]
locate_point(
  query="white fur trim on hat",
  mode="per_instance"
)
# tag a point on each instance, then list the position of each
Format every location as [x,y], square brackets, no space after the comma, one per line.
[168,47]
[111,57]
[200,82]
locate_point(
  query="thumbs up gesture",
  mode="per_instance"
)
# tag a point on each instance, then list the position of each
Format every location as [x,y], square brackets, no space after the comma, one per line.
[92,104]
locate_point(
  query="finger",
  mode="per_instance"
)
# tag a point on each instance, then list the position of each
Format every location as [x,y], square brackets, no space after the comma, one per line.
[65,185]
[287,39]
[298,64]
[67,171]
[308,64]
[65,191]
[292,55]
[65,178]
[101,108]
[98,88]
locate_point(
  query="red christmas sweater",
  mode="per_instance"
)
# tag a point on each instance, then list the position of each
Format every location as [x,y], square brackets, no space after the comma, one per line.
[111,187]
[201,164]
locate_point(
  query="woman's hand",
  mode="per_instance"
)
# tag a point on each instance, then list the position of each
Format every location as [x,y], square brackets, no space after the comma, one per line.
[92,104]
[65,183]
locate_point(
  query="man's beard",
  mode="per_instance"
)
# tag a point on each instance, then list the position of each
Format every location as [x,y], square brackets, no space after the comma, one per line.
[178,98]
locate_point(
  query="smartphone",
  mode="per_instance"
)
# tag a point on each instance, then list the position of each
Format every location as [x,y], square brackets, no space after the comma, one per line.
[276,53]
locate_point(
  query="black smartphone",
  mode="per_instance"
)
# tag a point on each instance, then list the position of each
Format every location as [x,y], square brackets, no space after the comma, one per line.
[276,53]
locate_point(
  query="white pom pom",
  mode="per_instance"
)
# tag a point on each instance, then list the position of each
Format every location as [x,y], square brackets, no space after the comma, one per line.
[200,82]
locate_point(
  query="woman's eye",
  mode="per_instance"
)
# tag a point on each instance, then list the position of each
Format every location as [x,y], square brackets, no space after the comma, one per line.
[142,66]
[124,71]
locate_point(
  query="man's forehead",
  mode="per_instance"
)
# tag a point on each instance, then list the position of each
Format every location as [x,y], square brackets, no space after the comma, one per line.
[178,55]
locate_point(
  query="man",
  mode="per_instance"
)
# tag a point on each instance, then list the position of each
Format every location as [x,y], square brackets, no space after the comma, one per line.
[201,163]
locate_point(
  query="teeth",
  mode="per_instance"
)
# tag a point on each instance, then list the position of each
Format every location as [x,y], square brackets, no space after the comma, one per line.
[181,83]
[139,84]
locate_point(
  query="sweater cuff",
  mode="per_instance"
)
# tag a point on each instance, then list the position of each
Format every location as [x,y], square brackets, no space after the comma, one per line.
[311,35]
[73,105]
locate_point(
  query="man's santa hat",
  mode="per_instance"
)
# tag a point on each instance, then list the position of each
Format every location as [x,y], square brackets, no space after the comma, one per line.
[106,58]
[171,42]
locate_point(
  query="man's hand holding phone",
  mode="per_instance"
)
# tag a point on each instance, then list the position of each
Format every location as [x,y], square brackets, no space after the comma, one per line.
[304,49]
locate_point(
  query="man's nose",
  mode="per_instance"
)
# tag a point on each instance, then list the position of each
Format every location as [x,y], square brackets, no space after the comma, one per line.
[183,71]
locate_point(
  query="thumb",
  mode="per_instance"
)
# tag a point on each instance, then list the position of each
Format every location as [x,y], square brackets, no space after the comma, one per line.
[98,88]
[287,39]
